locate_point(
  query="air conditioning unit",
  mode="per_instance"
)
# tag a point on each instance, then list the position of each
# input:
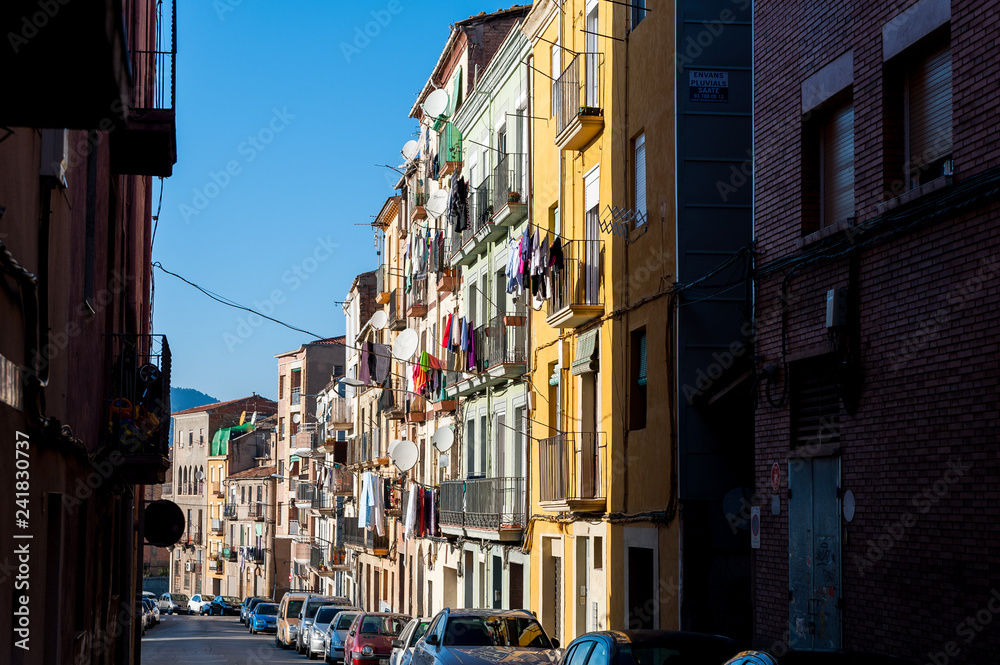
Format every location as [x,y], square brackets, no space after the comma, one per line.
[188,566]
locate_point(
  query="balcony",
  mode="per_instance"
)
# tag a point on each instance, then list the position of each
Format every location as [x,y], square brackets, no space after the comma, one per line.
[576,289]
[577,97]
[326,564]
[137,407]
[449,154]
[324,502]
[340,415]
[217,490]
[230,553]
[417,298]
[360,538]
[257,511]
[474,240]
[295,397]
[215,565]
[484,508]
[397,314]
[450,279]
[418,200]
[217,527]
[381,286]
[195,538]
[502,354]
[570,472]
[342,483]
[304,493]
[510,205]
[416,409]
[229,511]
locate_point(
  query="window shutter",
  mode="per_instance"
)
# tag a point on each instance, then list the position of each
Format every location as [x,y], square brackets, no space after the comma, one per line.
[640,178]
[592,190]
[838,165]
[642,361]
[930,109]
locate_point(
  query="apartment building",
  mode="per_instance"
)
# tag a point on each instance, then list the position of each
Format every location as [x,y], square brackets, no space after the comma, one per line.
[875,222]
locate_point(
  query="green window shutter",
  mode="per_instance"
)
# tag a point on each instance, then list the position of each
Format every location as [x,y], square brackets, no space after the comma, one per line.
[642,361]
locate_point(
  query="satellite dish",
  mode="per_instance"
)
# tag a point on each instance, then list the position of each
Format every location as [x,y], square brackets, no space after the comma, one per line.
[404,455]
[379,319]
[296,418]
[253,418]
[436,103]
[405,345]
[443,461]
[437,203]
[243,417]
[200,475]
[443,438]
[410,149]
[352,382]
[393,444]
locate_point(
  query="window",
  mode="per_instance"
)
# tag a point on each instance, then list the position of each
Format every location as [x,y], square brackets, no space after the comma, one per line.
[201,436]
[837,164]
[556,71]
[338,370]
[638,12]
[191,437]
[928,116]
[640,179]
[281,387]
[470,448]
[637,387]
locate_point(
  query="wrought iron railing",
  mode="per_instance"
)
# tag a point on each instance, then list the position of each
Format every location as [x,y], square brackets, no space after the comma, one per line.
[578,281]
[355,536]
[296,396]
[340,410]
[508,181]
[492,504]
[570,466]
[449,146]
[397,311]
[154,72]
[481,205]
[137,404]
[217,525]
[507,343]
[229,511]
[305,492]
[577,91]
[257,511]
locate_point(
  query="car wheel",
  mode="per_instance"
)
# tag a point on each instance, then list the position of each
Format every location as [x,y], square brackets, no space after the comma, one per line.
[277,643]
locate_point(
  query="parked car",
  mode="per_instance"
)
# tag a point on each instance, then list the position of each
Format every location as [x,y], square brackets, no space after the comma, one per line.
[336,633]
[471,636]
[316,633]
[172,603]
[649,647]
[141,614]
[371,636]
[224,606]
[308,612]
[249,604]
[154,611]
[263,618]
[199,603]
[402,647]
[288,618]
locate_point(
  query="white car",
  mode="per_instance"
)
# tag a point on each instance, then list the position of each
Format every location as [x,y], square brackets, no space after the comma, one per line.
[200,603]
[172,603]
[402,647]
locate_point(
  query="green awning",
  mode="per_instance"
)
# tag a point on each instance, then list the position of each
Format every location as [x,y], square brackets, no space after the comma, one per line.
[586,354]
[220,441]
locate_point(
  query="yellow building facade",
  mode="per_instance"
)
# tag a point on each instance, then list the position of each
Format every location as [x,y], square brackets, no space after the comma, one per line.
[603,535]
[217,469]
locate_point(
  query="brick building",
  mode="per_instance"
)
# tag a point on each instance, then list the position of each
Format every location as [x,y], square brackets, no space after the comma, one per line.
[875,208]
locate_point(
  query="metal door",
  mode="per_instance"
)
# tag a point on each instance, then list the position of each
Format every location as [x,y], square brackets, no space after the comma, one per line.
[814,620]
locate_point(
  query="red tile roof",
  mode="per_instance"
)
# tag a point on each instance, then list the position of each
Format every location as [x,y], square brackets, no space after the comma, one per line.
[248,403]
[256,472]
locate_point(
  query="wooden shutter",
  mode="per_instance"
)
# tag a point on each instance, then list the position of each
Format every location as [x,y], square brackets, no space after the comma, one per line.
[929,109]
[640,178]
[838,165]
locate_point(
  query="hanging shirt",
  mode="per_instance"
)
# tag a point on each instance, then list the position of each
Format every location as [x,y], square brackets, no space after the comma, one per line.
[366,501]
[411,512]
[378,507]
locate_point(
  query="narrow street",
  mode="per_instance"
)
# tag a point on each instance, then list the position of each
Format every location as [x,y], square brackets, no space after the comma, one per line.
[209,641]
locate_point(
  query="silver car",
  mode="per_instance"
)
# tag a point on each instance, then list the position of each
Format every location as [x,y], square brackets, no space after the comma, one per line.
[402,647]
[316,637]
[172,603]
[336,633]
[309,608]
[485,637]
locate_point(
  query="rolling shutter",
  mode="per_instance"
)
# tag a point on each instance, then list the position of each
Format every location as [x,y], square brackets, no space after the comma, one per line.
[929,103]
[642,361]
[592,189]
[838,165]
[640,179]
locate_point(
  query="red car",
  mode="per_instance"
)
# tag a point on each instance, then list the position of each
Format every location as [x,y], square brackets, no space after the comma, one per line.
[369,641]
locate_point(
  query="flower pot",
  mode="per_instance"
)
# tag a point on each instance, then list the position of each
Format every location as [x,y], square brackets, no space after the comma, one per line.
[514,320]
[514,197]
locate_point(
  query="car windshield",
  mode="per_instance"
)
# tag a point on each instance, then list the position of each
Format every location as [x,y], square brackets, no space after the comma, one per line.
[179,598]
[294,606]
[266,608]
[326,614]
[495,631]
[345,620]
[313,607]
[374,625]
[231,599]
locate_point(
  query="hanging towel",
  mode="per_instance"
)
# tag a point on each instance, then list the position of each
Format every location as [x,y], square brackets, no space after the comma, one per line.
[382,356]
[366,501]
[411,512]
[378,507]
[446,336]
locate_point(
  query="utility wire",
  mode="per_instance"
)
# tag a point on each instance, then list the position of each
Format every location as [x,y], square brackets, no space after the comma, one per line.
[234,304]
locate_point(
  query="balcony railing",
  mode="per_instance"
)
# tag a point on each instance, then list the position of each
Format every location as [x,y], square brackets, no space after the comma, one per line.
[416,299]
[340,412]
[363,538]
[397,312]
[577,91]
[487,504]
[217,526]
[229,511]
[449,149]
[257,511]
[576,288]
[570,471]
[381,285]
[296,396]
[137,406]
[506,343]
[195,538]
[508,180]
[481,205]
[230,553]
[305,492]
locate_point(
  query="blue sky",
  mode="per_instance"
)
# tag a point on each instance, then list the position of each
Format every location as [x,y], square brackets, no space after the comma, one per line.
[283,109]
